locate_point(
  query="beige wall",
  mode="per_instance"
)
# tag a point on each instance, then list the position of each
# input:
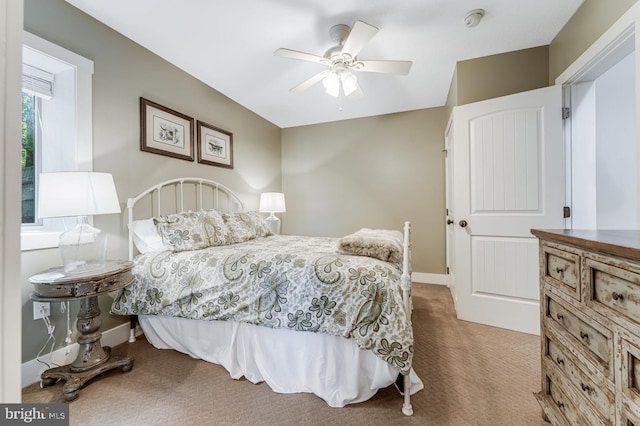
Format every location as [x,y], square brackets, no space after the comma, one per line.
[374,172]
[588,23]
[498,75]
[124,71]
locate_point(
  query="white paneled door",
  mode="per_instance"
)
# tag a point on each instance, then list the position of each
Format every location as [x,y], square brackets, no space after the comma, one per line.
[508,163]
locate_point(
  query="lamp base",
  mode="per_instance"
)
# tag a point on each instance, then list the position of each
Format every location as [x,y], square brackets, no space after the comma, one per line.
[83,248]
[274,224]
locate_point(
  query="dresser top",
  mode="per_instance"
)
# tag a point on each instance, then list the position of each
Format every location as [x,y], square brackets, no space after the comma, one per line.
[624,243]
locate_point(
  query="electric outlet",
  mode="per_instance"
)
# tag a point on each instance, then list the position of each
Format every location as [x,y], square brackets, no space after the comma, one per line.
[41,309]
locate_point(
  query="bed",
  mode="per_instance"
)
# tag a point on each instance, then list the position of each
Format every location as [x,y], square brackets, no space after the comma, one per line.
[304,314]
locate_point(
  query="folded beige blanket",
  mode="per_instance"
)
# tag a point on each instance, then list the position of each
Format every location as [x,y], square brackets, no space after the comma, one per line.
[383,244]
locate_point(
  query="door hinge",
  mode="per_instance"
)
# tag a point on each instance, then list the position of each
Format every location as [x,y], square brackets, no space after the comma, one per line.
[448,271]
[566,212]
[566,113]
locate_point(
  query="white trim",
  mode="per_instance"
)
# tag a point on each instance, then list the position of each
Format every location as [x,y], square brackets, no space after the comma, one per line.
[11,20]
[63,62]
[426,278]
[31,370]
[617,39]
[37,239]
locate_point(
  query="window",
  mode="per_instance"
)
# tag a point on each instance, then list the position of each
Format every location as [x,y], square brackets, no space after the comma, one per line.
[56,128]
[30,104]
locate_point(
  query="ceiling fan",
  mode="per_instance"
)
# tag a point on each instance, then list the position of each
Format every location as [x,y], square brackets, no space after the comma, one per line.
[342,60]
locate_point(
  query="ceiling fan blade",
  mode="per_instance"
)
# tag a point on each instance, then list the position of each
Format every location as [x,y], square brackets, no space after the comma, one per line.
[360,34]
[294,54]
[385,67]
[309,82]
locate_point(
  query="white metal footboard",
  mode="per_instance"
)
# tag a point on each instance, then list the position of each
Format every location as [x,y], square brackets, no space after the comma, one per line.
[405,282]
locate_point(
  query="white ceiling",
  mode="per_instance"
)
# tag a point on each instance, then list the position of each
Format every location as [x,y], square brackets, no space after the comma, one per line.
[229,45]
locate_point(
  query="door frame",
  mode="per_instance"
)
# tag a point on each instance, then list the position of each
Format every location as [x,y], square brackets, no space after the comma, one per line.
[613,45]
[449,232]
[11,17]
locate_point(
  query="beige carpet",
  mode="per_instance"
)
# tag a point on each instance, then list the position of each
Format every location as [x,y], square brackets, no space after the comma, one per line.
[473,375]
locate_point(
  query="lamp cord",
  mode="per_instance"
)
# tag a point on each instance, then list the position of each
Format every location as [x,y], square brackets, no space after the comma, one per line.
[65,308]
[51,338]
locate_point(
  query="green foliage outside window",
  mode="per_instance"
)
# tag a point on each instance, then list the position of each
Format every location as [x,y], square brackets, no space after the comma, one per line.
[28,157]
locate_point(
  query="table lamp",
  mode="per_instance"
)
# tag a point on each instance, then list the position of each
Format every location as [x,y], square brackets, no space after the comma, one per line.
[272,202]
[62,194]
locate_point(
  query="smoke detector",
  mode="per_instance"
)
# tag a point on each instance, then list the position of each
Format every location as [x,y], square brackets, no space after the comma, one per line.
[473,18]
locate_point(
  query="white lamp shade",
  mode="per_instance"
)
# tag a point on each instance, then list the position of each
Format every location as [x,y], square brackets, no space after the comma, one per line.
[62,194]
[272,202]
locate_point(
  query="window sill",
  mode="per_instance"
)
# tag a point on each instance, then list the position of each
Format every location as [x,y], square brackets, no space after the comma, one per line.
[37,240]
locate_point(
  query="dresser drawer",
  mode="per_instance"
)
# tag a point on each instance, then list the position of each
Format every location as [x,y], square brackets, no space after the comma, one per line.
[630,370]
[596,340]
[600,395]
[613,288]
[629,419]
[561,268]
[566,408]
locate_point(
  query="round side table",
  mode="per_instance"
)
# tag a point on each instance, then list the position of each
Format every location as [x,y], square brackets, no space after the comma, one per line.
[54,285]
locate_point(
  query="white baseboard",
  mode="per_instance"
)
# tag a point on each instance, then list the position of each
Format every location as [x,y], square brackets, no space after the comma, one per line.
[424,278]
[31,370]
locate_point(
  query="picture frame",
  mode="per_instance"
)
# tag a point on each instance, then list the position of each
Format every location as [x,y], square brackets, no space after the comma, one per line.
[165,131]
[215,146]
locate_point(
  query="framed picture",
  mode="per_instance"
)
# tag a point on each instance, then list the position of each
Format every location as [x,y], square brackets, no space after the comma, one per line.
[215,146]
[165,131]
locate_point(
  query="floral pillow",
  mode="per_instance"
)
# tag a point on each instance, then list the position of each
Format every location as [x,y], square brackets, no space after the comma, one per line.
[215,228]
[182,231]
[245,226]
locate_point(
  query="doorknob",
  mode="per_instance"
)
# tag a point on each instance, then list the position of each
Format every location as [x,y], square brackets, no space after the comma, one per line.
[463,223]
[449,221]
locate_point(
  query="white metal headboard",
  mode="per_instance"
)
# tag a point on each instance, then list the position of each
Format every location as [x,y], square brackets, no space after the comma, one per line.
[207,194]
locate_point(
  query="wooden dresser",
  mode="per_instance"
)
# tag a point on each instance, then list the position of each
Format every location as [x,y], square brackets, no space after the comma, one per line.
[590,326]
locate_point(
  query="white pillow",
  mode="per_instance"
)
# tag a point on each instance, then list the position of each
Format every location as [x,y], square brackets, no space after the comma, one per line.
[146,237]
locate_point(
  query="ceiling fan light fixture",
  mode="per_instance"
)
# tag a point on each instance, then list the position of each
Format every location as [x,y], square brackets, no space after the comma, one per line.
[343,59]
[339,79]
[331,84]
[349,83]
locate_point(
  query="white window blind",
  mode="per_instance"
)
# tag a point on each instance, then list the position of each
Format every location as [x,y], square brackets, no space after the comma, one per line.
[37,81]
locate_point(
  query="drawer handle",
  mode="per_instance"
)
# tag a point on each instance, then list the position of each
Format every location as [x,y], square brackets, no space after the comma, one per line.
[585,388]
[584,335]
[560,404]
[617,296]
[560,317]
[559,360]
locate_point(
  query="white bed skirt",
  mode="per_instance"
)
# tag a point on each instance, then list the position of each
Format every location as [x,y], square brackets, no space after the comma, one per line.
[331,367]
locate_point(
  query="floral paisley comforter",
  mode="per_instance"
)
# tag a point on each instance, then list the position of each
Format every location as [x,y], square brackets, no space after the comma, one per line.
[294,282]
